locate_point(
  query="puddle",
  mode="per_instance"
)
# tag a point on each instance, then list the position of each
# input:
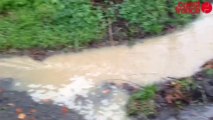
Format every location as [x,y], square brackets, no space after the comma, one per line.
[65,77]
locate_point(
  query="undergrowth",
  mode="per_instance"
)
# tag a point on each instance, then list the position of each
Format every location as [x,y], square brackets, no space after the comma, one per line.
[50,24]
[57,24]
[143,101]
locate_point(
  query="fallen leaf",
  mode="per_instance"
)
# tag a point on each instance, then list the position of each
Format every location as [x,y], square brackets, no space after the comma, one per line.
[22,116]
[19,110]
[64,109]
[169,99]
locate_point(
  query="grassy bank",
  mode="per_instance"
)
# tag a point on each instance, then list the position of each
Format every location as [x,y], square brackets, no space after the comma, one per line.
[175,94]
[57,24]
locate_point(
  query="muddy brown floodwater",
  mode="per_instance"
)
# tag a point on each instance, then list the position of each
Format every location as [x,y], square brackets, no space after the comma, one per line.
[61,77]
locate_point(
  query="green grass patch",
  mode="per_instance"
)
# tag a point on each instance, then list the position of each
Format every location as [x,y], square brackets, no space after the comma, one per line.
[50,24]
[143,102]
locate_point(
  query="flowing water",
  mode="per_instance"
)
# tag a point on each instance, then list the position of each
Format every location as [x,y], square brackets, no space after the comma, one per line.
[65,77]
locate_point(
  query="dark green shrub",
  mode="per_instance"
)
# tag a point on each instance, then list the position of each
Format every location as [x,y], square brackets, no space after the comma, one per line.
[178,19]
[153,16]
[150,15]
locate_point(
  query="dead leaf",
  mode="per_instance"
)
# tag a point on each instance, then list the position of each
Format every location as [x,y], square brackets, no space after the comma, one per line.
[169,99]
[64,109]
[22,116]
[19,110]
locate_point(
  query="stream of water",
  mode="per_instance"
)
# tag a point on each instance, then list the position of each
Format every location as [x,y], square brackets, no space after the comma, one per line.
[65,77]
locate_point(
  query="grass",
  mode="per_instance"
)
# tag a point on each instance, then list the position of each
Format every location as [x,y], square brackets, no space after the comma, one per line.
[49,24]
[57,24]
[143,102]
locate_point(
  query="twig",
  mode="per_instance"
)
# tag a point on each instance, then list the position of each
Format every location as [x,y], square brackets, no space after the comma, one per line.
[173,78]
[111,39]
[140,86]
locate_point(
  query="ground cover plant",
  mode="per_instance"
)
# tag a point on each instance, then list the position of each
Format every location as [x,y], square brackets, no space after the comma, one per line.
[57,24]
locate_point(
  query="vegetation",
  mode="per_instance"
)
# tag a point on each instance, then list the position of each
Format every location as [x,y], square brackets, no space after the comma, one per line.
[143,101]
[146,93]
[174,94]
[209,72]
[55,24]
[28,24]
[150,15]
[186,84]
[154,16]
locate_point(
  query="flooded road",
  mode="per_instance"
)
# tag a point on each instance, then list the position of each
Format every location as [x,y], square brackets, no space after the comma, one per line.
[65,76]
